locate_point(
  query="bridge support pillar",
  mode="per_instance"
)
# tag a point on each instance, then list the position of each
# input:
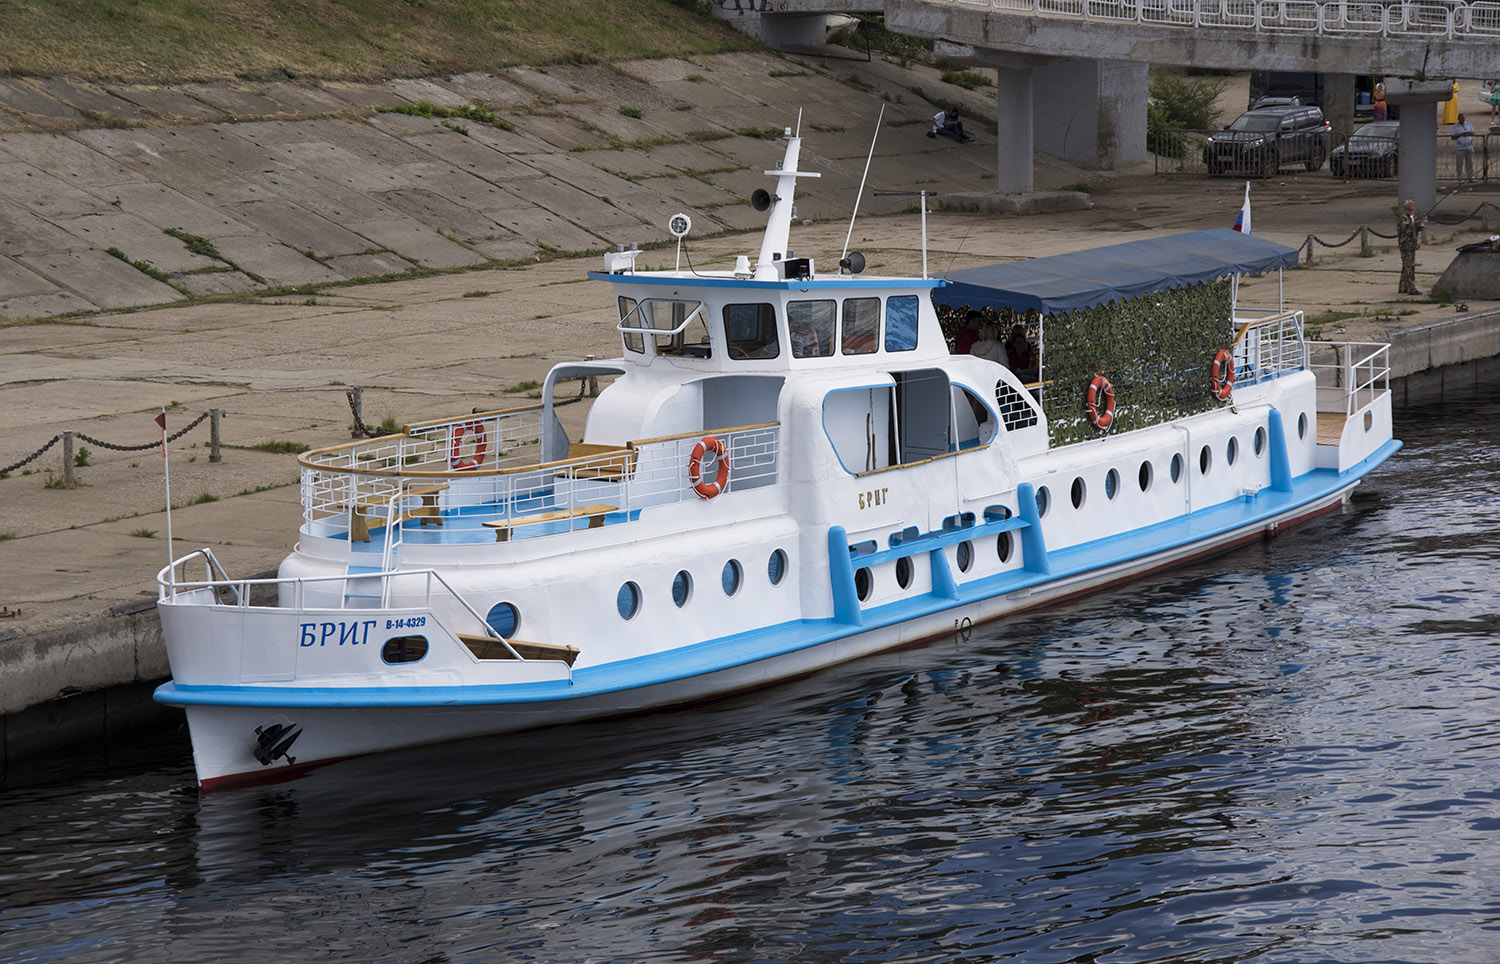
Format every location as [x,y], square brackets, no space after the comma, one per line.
[1093,112]
[1014,133]
[1416,152]
[1338,103]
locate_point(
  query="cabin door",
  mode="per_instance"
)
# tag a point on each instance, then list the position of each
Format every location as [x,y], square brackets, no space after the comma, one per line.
[925,418]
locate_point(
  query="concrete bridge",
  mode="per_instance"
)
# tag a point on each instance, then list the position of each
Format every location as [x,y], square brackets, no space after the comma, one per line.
[1071,75]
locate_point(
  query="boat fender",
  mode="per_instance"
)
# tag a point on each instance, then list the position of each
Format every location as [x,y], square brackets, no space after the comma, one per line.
[707,490]
[1221,376]
[481,446]
[1097,418]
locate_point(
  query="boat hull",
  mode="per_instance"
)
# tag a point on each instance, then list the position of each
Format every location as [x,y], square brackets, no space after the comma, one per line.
[262,733]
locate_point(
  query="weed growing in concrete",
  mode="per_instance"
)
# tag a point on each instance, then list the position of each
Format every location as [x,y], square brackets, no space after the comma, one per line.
[203,498]
[81,457]
[631,112]
[143,533]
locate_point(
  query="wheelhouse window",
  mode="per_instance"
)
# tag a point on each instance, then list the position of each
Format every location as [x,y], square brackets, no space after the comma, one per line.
[901,323]
[750,331]
[861,326]
[633,340]
[810,327]
[678,326]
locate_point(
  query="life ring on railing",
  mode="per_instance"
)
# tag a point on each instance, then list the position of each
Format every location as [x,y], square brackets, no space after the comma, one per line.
[707,490]
[481,446]
[1221,375]
[1097,418]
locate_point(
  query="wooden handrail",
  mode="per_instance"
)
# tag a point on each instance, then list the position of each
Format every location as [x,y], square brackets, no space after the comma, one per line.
[474,417]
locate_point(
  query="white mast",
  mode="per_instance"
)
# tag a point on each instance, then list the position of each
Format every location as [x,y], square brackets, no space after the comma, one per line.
[779,225]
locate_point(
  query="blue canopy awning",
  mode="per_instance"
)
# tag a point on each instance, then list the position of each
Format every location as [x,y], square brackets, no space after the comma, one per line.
[1082,279]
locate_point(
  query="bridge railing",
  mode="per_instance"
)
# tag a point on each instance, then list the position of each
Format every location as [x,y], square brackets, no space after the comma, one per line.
[1422,18]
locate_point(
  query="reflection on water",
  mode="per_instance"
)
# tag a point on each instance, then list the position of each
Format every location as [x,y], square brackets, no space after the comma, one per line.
[1288,754]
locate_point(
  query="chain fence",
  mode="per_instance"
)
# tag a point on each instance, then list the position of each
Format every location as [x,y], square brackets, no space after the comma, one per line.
[107,445]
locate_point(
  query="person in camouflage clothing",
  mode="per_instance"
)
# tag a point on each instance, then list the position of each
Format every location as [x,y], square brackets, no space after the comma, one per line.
[1407,230]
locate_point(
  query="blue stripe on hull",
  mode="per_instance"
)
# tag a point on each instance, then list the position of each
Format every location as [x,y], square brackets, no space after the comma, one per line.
[1205,527]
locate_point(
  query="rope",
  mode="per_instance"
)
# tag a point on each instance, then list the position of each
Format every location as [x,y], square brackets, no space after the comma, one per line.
[103,444]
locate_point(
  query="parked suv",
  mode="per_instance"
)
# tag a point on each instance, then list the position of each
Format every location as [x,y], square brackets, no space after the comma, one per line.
[1263,141]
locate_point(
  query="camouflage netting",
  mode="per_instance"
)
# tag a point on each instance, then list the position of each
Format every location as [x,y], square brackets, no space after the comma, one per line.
[1155,350]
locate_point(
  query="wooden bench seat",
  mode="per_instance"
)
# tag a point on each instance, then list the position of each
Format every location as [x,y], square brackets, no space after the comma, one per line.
[611,463]
[488,647]
[427,511]
[594,513]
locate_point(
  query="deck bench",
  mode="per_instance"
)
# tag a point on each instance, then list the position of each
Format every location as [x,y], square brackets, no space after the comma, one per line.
[488,647]
[427,511]
[594,513]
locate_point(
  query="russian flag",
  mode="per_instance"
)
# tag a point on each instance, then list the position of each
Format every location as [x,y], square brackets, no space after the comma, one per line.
[1242,220]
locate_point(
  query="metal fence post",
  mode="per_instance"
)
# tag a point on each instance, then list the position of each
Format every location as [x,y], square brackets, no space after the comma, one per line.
[67,458]
[357,403]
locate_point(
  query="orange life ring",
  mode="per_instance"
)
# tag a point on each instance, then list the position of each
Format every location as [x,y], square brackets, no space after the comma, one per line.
[481,446]
[1221,378]
[707,490]
[1100,386]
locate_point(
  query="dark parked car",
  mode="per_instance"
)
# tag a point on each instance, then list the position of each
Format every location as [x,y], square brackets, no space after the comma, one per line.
[1263,141]
[1371,151]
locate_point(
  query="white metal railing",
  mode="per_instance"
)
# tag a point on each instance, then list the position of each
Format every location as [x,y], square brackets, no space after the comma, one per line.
[421,587]
[1362,369]
[400,477]
[1266,347]
[1452,19]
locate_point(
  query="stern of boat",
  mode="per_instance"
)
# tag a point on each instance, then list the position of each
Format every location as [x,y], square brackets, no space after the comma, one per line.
[1353,414]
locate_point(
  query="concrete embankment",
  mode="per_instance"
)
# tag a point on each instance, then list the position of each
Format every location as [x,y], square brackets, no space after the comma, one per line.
[472,305]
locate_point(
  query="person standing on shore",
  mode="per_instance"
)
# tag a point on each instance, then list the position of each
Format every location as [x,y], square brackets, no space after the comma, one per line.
[1407,229]
[1463,148]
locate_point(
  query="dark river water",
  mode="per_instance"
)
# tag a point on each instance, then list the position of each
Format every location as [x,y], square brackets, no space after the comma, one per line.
[1289,754]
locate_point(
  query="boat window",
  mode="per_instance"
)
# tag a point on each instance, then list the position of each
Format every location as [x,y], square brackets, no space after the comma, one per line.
[503,618]
[732,576]
[864,582]
[776,567]
[679,326]
[404,649]
[1043,501]
[750,331]
[682,588]
[965,553]
[861,326]
[975,423]
[901,323]
[810,325]
[628,600]
[633,340]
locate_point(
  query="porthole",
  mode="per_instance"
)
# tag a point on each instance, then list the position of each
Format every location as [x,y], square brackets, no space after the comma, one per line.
[628,600]
[1111,484]
[1205,460]
[1176,467]
[404,649]
[1043,501]
[1369,420]
[903,572]
[1144,476]
[1231,451]
[863,583]
[503,619]
[1002,546]
[682,588]
[732,577]
[1302,426]
[1078,492]
[965,556]
[776,567]
[1260,441]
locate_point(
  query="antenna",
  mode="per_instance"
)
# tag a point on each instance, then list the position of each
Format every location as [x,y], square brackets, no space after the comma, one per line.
[868,157]
[924,195]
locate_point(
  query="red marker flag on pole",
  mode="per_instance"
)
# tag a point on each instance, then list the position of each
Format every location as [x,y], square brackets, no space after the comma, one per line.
[162,421]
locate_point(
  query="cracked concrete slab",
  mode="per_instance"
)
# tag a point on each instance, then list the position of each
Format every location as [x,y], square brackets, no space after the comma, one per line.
[88,97]
[23,97]
[417,242]
[295,226]
[137,238]
[487,88]
[67,158]
[170,103]
[103,280]
[273,260]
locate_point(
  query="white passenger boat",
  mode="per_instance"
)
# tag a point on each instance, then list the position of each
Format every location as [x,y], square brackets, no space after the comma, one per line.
[790,470]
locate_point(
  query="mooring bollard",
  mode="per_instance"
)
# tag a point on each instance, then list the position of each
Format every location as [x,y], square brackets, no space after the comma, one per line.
[1364,241]
[593,380]
[68,479]
[214,414]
